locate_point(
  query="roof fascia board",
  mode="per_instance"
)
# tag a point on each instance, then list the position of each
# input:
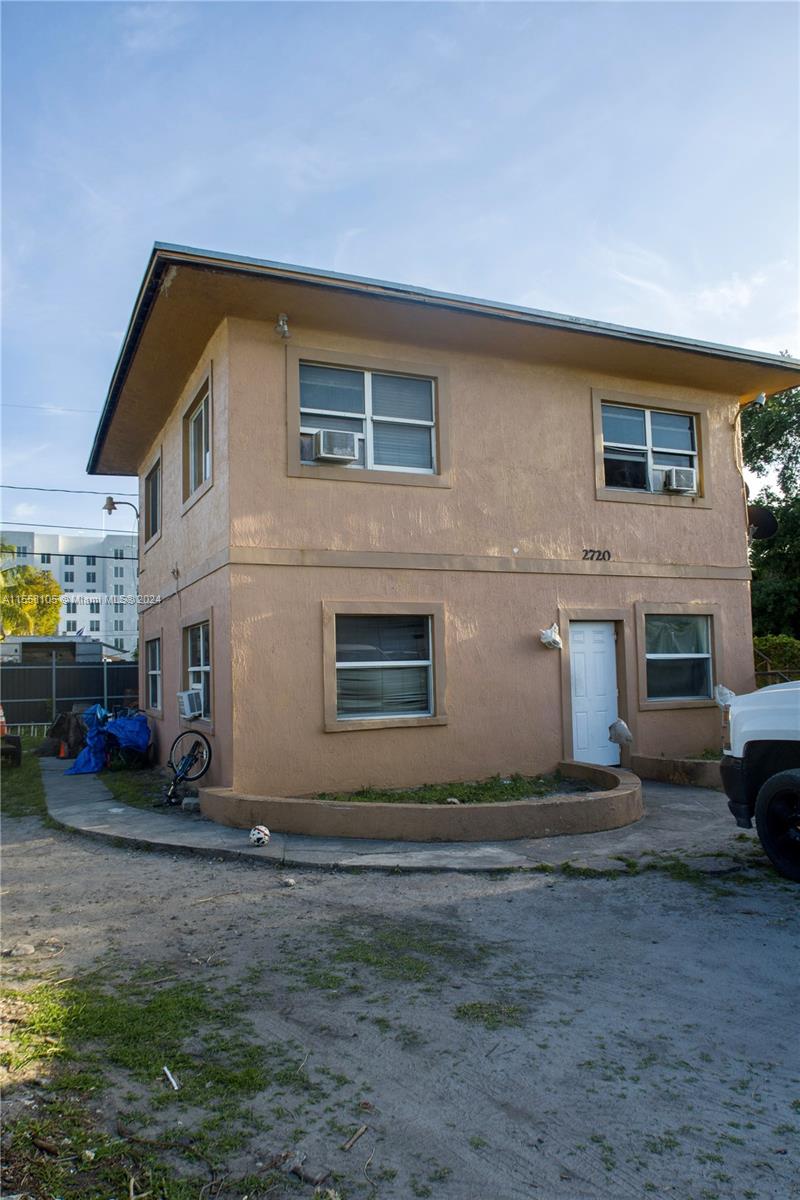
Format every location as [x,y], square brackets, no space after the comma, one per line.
[167,254]
[188,255]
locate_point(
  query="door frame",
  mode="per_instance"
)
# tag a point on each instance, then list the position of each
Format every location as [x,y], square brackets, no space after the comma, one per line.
[625,663]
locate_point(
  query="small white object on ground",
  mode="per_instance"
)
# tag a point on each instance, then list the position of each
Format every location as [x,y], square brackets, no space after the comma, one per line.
[452,800]
[173,1081]
[259,835]
[288,881]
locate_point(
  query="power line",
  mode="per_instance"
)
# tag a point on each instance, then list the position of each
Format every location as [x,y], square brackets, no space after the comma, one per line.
[88,528]
[19,487]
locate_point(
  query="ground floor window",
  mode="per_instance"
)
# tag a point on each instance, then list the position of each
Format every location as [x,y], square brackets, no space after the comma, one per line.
[197,656]
[384,666]
[678,656]
[153,667]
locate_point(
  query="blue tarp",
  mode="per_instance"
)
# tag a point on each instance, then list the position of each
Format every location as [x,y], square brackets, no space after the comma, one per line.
[126,732]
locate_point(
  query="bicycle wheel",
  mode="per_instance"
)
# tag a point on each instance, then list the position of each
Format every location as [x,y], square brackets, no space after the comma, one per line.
[193,751]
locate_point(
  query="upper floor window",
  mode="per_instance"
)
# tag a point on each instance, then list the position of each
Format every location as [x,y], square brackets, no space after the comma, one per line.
[69,577]
[119,572]
[119,552]
[91,560]
[22,551]
[71,607]
[390,419]
[94,626]
[94,606]
[45,558]
[71,626]
[649,450]
[197,443]
[152,502]
[91,577]
[69,560]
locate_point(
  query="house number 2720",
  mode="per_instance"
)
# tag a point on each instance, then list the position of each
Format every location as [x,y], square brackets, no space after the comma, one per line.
[597,555]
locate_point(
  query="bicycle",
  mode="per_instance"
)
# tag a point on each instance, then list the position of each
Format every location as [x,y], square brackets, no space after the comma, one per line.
[189,759]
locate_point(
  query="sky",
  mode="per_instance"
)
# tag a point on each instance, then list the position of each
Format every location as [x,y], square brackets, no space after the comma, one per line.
[629,162]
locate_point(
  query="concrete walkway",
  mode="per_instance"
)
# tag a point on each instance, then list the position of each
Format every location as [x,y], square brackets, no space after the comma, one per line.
[677,820]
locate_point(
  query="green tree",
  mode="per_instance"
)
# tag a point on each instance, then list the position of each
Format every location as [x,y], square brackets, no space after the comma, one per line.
[771,439]
[776,570]
[771,443]
[29,598]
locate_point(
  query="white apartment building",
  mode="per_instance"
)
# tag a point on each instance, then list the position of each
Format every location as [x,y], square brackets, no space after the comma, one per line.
[98,579]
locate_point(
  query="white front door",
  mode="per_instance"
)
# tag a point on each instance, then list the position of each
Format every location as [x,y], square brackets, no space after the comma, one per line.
[593,671]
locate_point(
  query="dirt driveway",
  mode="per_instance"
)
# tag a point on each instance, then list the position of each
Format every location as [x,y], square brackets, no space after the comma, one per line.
[501,1037]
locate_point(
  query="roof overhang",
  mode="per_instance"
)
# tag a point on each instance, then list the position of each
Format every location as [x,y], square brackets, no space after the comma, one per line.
[186,293]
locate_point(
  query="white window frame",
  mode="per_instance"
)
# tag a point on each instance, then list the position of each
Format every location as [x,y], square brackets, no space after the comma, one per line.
[369,420]
[94,627]
[71,626]
[383,664]
[199,472]
[195,673]
[153,673]
[91,577]
[649,449]
[69,577]
[709,655]
[152,502]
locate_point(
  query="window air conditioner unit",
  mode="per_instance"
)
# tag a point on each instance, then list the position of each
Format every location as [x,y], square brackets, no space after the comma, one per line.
[335,445]
[680,479]
[190,704]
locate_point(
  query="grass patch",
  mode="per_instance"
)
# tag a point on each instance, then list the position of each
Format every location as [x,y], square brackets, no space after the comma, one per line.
[412,951]
[137,788]
[485,791]
[104,1043]
[492,1014]
[22,787]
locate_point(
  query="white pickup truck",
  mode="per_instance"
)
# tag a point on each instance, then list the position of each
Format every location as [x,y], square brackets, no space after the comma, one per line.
[760,769]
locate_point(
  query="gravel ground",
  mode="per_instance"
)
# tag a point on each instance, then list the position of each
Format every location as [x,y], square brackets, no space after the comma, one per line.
[501,1036]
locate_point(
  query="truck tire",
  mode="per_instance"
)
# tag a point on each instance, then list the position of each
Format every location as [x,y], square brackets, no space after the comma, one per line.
[778,822]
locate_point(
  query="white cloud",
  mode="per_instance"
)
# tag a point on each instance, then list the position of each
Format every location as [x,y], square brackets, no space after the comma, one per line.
[152,27]
[757,310]
[25,511]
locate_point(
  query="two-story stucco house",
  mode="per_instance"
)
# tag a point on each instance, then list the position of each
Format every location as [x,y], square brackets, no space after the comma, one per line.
[362,501]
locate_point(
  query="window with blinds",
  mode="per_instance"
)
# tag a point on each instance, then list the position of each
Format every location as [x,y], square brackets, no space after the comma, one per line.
[392,416]
[384,666]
